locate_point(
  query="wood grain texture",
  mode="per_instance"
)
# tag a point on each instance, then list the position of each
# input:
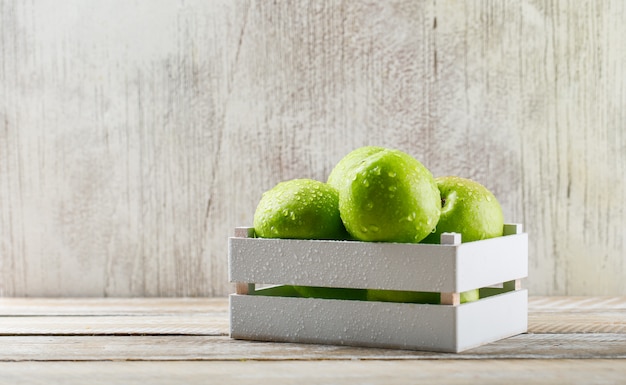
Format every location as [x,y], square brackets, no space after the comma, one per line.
[146,347]
[448,372]
[212,348]
[135,136]
[204,325]
[175,330]
[112,306]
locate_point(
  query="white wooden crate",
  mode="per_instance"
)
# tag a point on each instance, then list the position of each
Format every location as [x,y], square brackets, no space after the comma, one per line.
[495,266]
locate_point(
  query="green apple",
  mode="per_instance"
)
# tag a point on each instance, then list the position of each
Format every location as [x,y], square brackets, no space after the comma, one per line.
[426,297]
[470,295]
[331,293]
[403,296]
[342,172]
[301,209]
[468,208]
[387,196]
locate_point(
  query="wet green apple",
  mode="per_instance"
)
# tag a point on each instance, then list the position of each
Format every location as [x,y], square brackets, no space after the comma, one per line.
[387,196]
[341,174]
[468,208]
[331,293]
[470,295]
[425,297]
[403,296]
[300,209]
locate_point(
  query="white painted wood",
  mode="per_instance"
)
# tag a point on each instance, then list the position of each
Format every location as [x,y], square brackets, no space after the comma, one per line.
[134,136]
[379,324]
[491,319]
[374,265]
[450,239]
[449,268]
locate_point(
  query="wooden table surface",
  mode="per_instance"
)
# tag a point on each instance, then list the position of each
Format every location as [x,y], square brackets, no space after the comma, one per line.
[571,340]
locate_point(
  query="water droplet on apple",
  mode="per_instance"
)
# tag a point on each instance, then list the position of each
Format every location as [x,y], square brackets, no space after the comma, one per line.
[392,188]
[374,228]
[369,205]
[392,174]
[366,183]
[488,198]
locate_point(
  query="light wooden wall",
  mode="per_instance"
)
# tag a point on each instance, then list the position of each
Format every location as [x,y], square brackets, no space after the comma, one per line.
[135,135]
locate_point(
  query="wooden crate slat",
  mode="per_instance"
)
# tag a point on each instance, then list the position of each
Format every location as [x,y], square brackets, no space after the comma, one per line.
[387,266]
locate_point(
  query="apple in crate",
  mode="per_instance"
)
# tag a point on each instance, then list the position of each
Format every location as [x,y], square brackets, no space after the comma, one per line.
[385,195]
[299,209]
[416,296]
[468,208]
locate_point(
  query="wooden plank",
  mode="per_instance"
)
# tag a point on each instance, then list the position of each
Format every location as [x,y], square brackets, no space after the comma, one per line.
[575,303]
[378,265]
[589,321]
[448,372]
[546,314]
[577,314]
[111,306]
[218,323]
[186,324]
[98,348]
[379,324]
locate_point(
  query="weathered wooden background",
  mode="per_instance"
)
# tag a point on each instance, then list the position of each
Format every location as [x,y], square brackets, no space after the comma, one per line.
[135,135]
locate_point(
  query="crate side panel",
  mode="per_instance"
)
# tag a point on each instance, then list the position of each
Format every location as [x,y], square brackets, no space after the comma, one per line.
[355,323]
[360,265]
[491,261]
[492,319]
